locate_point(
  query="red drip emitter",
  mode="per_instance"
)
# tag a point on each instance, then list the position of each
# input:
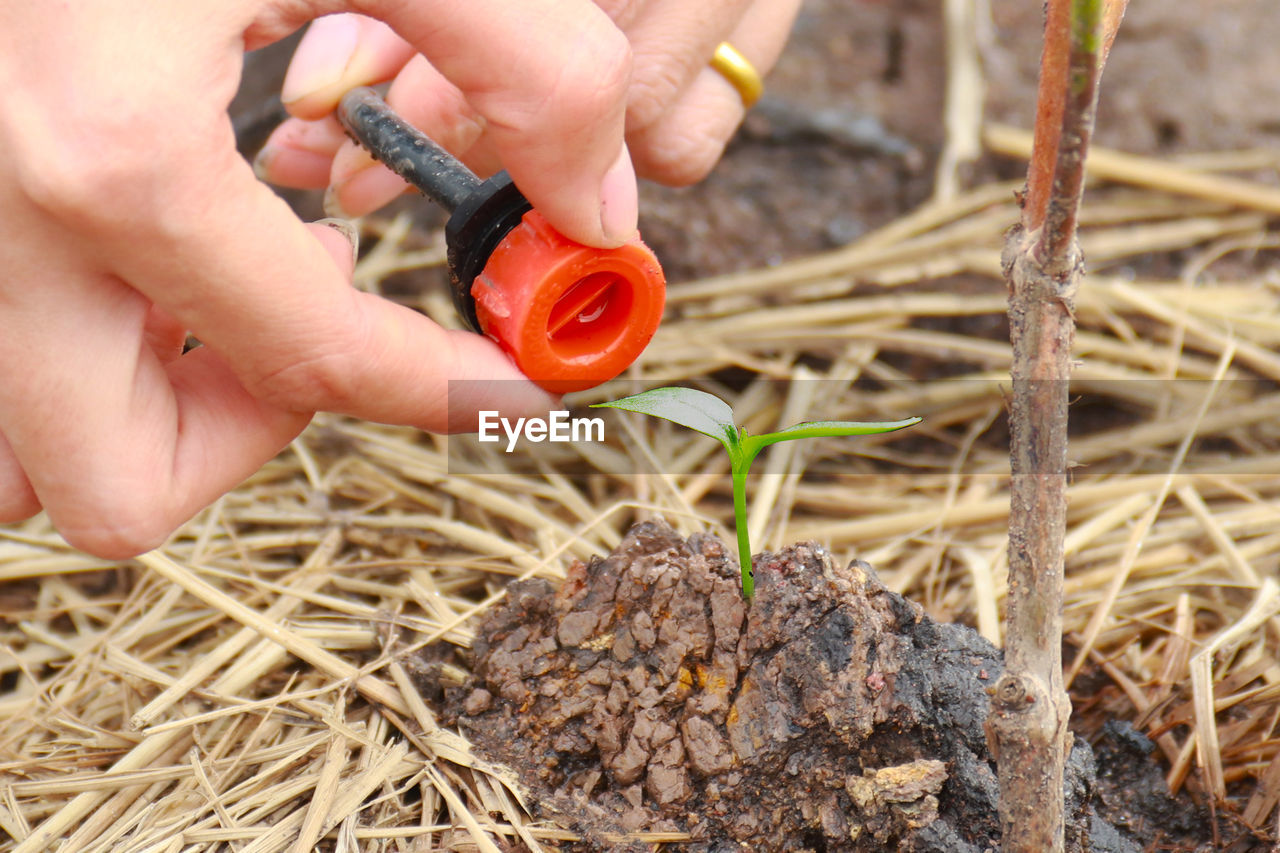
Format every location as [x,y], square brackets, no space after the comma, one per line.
[570,316]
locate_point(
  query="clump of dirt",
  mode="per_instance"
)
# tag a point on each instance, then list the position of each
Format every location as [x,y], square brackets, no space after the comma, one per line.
[1134,795]
[831,714]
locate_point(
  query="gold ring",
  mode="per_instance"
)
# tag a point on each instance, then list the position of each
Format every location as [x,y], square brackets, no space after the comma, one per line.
[740,73]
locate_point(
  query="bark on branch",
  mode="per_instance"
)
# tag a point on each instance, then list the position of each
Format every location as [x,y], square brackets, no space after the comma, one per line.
[1042,264]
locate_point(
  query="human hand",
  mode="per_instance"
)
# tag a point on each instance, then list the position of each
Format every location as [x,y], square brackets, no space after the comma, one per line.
[129,220]
[645,70]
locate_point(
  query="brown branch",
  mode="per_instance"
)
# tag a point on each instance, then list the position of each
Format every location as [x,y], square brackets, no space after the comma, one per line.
[1050,104]
[1051,98]
[1030,707]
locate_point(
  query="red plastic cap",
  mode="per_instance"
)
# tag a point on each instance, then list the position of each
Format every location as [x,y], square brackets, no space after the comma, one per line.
[570,316]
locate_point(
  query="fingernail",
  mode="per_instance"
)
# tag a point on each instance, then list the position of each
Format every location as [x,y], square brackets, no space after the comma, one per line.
[332,207]
[363,191]
[322,57]
[619,204]
[262,162]
[347,229]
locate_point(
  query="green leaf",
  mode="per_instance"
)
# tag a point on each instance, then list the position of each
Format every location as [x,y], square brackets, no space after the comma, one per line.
[688,407]
[827,429]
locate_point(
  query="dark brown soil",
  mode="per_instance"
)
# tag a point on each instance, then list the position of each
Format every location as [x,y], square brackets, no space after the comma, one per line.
[830,714]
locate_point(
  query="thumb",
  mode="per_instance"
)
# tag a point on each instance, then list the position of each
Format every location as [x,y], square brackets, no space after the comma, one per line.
[341,239]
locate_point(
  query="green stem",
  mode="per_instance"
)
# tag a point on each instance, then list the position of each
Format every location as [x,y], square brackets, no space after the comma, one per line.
[744,538]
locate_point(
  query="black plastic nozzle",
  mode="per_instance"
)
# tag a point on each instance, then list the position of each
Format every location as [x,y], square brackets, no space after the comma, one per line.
[482,212]
[405,150]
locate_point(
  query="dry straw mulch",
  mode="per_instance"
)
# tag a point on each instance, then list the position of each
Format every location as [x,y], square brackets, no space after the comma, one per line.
[249,686]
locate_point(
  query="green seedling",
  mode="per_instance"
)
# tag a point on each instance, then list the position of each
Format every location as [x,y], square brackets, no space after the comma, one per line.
[712,416]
